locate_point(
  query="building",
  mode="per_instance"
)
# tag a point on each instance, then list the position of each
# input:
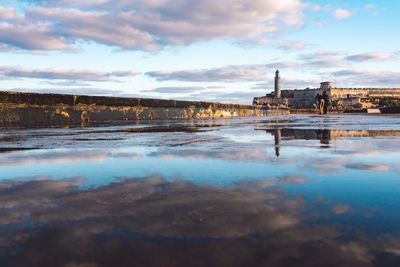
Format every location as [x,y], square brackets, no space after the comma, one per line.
[341,98]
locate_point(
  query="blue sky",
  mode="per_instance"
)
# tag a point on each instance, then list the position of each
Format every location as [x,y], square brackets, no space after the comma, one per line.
[224,51]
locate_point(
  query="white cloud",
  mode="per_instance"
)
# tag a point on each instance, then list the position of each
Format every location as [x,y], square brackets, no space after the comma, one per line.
[80,89]
[288,83]
[98,26]
[233,73]
[325,59]
[10,14]
[369,77]
[316,8]
[369,6]
[327,63]
[372,56]
[283,65]
[146,25]
[173,90]
[321,55]
[342,14]
[32,37]
[239,97]
[293,45]
[63,74]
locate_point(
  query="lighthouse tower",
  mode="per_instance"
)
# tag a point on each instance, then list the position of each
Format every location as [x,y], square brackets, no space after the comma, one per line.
[277,85]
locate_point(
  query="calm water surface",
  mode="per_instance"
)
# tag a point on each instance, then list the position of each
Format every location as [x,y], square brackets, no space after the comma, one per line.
[299,190]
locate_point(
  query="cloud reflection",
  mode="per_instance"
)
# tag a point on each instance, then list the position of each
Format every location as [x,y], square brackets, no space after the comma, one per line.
[341,208]
[252,155]
[293,179]
[183,224]
[59,157]
[370,166]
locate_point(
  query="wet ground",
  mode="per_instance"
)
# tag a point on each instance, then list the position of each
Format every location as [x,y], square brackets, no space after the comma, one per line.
[300,190]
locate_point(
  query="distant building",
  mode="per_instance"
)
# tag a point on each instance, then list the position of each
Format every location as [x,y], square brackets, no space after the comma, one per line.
[343,98]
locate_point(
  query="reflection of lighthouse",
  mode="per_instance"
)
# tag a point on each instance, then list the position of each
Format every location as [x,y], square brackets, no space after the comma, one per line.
[277,134]
[277,85]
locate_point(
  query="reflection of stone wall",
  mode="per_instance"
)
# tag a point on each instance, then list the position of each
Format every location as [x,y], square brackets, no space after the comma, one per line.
[301,134]
[312,134]
[33,109]
[363,133]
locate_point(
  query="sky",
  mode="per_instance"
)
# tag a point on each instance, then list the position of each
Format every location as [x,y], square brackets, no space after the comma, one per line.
[203,50]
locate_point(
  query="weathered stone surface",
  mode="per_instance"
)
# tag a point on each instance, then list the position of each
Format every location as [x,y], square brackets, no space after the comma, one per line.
[341,98]
[57,109]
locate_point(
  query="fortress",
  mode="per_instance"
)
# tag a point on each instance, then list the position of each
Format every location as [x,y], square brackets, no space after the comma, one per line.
[340,98]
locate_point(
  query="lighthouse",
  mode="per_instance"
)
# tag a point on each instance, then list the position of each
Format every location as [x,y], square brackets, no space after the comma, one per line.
[277,85]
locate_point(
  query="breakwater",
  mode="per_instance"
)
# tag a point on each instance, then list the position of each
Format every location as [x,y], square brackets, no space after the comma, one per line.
[60,109]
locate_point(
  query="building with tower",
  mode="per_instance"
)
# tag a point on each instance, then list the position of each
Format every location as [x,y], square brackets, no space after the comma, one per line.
[341,98]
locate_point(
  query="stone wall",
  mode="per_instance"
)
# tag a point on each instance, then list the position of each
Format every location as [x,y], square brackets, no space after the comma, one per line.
[267,100]
[350,102]
[365,92]
[287,93]
[292,98]
[57,109]
[303,98]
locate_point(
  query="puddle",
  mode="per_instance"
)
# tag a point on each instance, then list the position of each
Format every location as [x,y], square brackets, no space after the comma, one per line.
[301,190]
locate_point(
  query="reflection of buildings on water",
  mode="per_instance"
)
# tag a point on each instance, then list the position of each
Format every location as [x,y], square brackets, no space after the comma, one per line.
[290,134]
[323,135]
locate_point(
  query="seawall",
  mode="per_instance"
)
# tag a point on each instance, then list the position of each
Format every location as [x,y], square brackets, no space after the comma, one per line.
[58,109]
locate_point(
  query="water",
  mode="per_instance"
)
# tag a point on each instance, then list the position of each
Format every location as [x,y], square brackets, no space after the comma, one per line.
[299,190]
